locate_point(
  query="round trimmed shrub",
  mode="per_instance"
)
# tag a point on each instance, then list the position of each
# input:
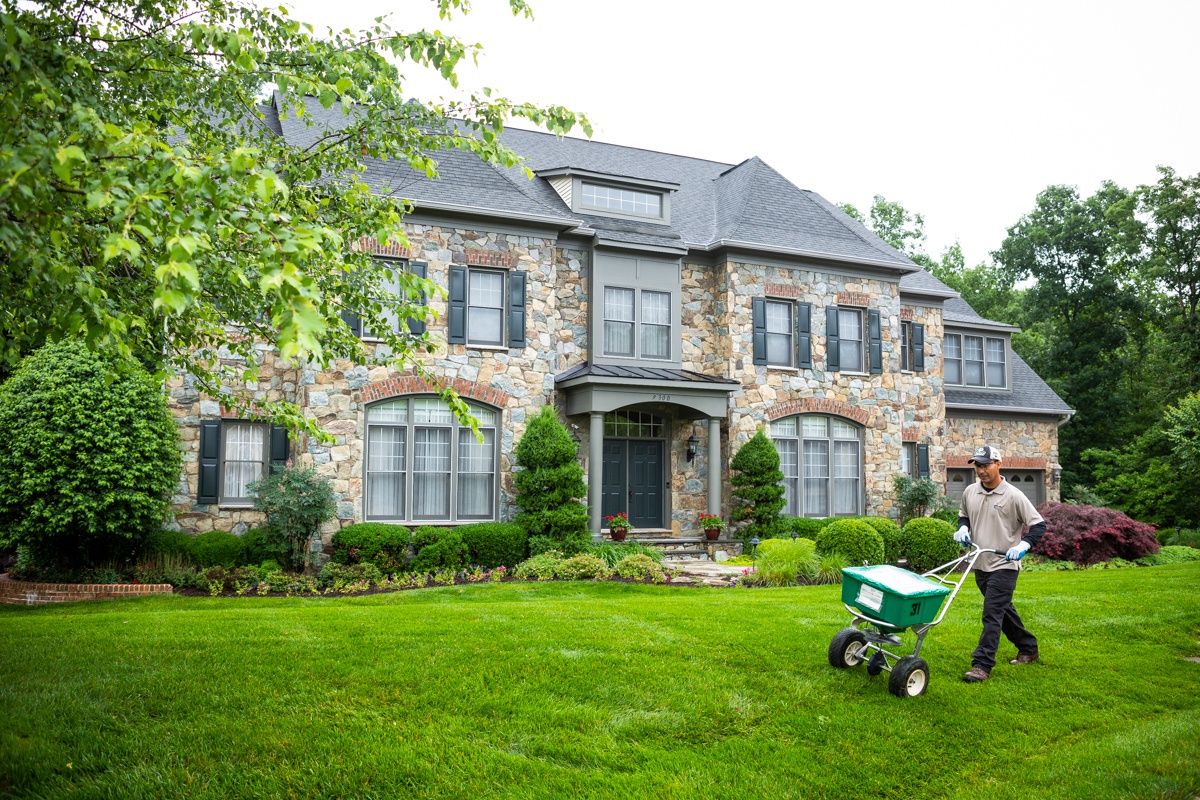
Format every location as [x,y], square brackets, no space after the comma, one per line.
[494,544]
[890,532]
[218,549]
[437,549]
[927,543]
[378,543]
[169,543]
[854,539]
[89,456]
[805,527]
[259,547]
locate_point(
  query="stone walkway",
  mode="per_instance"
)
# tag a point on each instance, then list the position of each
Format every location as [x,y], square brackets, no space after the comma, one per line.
[709,573]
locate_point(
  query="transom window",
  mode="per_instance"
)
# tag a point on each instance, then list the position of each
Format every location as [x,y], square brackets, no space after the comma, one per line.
[622,201]
[621,321]
[422,464]
[976,361]
[780,331]
[633,425]
[822,463]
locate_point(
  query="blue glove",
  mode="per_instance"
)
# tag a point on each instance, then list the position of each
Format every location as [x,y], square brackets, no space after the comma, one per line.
[1017,552]
[962,536]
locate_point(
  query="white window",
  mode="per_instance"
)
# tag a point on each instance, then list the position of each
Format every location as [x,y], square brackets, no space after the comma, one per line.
[906,346]
[637,323]
[908,459]
[850,340]
[995,363]
[243,459]
[976,361]
[485,307]
[622,201]
[822,464]
[780,330]
[423,465]
[953,358]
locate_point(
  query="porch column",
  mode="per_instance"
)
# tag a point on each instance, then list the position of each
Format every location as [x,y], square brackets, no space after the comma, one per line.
[595,468]
[714,467]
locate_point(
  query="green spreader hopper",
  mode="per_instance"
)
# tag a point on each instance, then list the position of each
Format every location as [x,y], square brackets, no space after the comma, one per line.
[892,595]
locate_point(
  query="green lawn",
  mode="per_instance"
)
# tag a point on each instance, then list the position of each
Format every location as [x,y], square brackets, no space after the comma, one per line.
[596,690]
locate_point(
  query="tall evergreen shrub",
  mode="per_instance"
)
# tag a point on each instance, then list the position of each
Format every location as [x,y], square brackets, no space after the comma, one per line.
[548,486]
[758,490]
[89,456]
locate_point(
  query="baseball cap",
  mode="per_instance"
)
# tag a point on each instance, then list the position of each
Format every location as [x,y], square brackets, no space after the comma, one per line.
[985,455]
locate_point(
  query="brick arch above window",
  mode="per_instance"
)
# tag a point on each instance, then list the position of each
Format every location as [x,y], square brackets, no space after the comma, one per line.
[413,384]
[812,405]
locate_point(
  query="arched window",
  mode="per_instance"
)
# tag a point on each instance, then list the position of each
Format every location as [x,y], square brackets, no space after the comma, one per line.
[422,465]
[822,462]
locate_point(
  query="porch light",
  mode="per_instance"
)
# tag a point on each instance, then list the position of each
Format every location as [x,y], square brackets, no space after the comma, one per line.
[1055,473]
[692,441]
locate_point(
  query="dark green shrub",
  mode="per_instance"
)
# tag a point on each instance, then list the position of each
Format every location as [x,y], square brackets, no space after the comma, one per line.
[297,502]
[915,497]
[339,576]
[1187,537]
[218,548]
[854,539]
[169,543]
[495,544]
[259,547]
[947,515]
[381,544]
[927,543]
[437,549]
[89,456]
[890,532]
[548,486]
[1171,554]
[758,490]
[805,527]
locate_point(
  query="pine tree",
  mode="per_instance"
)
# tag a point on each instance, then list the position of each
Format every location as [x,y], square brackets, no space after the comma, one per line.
[758,489]
[548,486]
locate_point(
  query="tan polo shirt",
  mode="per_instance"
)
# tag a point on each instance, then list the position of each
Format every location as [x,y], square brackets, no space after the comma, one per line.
[999,519]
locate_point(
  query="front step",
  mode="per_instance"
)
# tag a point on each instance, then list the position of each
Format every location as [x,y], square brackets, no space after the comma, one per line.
[685,548]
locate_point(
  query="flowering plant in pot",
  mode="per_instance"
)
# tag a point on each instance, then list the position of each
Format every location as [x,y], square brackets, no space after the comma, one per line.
[618,525]
[712,525]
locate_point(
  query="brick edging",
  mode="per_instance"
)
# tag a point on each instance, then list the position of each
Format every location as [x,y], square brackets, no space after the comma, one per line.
[25,593]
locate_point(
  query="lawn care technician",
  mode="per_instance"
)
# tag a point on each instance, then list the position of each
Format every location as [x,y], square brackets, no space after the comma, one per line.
[995,514]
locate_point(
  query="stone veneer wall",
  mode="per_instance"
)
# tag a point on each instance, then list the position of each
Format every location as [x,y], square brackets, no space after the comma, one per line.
[1029,443]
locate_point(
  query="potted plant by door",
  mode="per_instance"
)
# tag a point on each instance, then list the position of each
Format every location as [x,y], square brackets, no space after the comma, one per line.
[712,525]
[618,526]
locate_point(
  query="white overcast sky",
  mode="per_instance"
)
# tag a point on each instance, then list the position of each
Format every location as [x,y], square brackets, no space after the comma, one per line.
[962,111]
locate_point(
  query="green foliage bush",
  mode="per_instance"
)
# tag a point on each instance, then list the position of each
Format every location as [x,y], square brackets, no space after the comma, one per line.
[166,542]
[89,456]
[782,562]
[949,515]
[928,543]
[1188,537]
[1171,554]
[914,496]
[495,544]
[218,548]
[339,576]
[542,567]
[583,567]
[612,552]
[297,502]
[805,527]
[640,567]
[259,548]
[832,565]
[854,539]
[758,490]
[889,531]
[548,485]
[437,549]
[378,543]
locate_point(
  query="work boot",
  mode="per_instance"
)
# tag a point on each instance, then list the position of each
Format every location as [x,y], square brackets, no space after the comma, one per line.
[976,675]
[1024,658]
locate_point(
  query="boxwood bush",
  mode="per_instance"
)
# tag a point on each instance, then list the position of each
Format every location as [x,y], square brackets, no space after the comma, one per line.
[805,527]
[495,544]
[378,543]
[437,549]
[854,539]
[218,549]
[169,543]
[927,543]
[338,576]
[890,531]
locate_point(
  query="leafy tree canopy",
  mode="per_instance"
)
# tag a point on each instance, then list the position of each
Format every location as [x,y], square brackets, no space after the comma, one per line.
[145,206]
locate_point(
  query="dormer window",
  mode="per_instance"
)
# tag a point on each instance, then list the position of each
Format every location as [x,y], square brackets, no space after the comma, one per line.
[976,361]
[622,201]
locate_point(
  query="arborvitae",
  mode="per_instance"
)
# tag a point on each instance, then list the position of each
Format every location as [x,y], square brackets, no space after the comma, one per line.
[548,486]
[758,489]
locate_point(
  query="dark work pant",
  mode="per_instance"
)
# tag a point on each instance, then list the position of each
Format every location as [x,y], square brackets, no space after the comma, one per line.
[999,616]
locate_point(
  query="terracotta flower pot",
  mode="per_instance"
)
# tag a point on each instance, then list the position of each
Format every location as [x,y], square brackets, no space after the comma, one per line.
[618,534]
[712,534]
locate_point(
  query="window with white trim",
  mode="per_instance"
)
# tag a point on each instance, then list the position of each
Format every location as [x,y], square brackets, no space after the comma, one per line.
[780,332]
[622,201]
[485,307]
[822,462]
[423,465]
[976,361]
[850,340]
[637,323]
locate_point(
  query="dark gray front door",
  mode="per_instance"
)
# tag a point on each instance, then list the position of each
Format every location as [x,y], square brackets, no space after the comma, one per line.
[615,487]
[645,484]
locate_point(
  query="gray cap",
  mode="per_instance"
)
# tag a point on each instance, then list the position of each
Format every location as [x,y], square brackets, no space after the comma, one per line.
[985,455]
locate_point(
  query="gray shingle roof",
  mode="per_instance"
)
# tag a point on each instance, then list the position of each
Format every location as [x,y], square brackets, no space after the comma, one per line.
[955,310]
[641,373]
[1029,394]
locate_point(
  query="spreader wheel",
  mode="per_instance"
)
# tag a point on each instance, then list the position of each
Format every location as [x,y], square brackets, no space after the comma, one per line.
[846,648]
[910,677]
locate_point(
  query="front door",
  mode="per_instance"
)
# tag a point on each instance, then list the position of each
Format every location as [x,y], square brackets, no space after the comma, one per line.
[633,481]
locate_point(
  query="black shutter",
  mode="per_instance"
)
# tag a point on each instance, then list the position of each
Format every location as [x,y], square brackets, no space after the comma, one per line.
[516,309]
[352,320]
[279,447]
[922,461]
[458,305]
[209,484]
[759,321]
[875,345]
[417,326]
[804,336]
[831,339]
[918,348]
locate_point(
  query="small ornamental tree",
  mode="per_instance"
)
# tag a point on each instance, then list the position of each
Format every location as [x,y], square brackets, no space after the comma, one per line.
[89,456]
[297,502]
[1088,534]
[758,490]
[548,486]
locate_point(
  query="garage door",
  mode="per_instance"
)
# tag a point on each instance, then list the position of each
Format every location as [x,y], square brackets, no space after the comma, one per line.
[1030,482]
[957,480]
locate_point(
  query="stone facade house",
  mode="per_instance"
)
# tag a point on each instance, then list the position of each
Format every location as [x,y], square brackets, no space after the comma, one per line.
[669,307]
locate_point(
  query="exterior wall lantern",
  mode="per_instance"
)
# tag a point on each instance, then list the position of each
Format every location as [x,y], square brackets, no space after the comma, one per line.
[1055,474]
[692,441]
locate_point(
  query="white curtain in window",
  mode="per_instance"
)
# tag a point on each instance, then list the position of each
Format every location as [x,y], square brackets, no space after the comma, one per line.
[385,471]
[845,477]
[245,454]
[953,358]
[816,479]
[618,321]
[995,362]
[486,299]
[656,324]
[789,463]
[973,346]
[476,474]
[431,473]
